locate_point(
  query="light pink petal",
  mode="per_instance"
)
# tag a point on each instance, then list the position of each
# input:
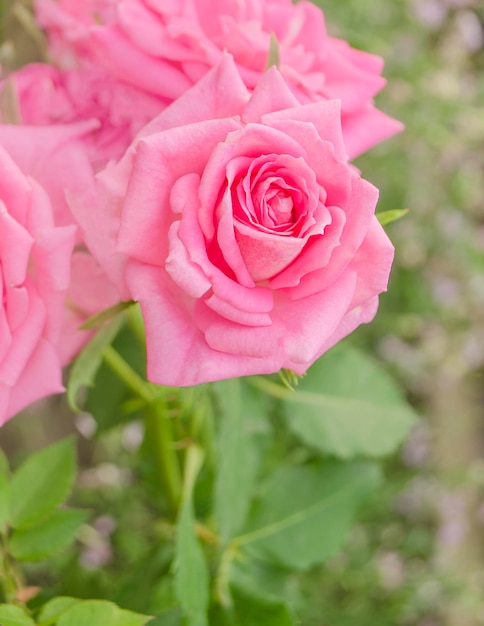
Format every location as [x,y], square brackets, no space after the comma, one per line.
[15,189]
[186,274]
[236,314]
[352,82]
[97,208]
[178,353]
[366,128]
[271,94]
[27,336]
[311,321]
[362,314]
[90,291]
[325,117]
[54,157]
[219,94]
[129,63]
[52,254]
[15,247]
[372,263]
[266,255]
[40,377]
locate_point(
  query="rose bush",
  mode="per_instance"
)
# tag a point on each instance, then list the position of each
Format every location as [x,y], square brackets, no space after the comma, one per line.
[237,222]
[34,277]
[162,48]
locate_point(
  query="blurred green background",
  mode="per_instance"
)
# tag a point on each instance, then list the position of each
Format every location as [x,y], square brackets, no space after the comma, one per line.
[416,557]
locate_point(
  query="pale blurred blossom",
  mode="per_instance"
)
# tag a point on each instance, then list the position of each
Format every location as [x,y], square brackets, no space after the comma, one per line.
[431,592]
[95,539]
[105,475]
[452,533]
[391,570]
[454,523]
[470,30]
[472,352]
[416,451]
[461,3]
[105,525]
[95,557]
[420,497]
[431,13]
[132,436]
[394,350]
[86,425]
[446,291]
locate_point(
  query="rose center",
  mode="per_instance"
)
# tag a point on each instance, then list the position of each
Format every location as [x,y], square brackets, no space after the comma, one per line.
[279,209]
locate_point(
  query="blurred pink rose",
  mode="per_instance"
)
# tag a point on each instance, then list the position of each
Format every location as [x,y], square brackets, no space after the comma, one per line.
[239,225]
[162,48]
[48,96]
[68,23]
[55,158]
[34,276]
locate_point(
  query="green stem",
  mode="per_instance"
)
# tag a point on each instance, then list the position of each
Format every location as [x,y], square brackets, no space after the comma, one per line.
[159,428]
[160,433]
[7,575]
[127,374]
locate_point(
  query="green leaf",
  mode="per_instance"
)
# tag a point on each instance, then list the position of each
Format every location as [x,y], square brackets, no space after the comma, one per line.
[83,371]
[347,405]
[243,432]
[274,55]
[47,538]
[4,491]
[42,483]
[9,104]
[171,618]
[99,319]
[100,613]
[106,400]
[261,577]
[52,610]
[304,513]
[386,217]
[11,615]
[257,609]
[191,571]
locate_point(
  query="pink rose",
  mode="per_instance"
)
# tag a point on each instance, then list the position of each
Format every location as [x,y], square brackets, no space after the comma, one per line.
[240,227]
[162,48]
[34,276]
[48,96]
